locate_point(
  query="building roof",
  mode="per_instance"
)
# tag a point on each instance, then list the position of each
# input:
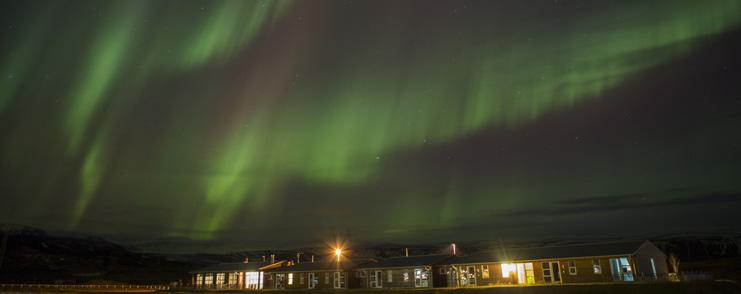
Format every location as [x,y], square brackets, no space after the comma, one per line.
[234,267]
[554,252]
[330,265]
[410,261]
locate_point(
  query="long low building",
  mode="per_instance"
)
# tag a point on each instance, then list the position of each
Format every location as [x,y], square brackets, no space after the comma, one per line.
[617,262]
[593,263]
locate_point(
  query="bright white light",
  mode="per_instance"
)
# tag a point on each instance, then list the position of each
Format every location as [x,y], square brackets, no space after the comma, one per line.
[507,268]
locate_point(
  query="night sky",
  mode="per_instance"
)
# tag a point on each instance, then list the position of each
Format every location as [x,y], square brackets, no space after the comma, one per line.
[279,123]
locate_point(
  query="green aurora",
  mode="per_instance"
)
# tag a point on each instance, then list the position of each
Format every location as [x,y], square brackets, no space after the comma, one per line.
[200,118]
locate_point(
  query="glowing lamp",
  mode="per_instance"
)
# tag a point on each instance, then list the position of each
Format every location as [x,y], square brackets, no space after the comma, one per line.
[338,252]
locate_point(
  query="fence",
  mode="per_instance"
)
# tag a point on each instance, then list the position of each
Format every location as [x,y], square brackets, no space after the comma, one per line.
[690,276]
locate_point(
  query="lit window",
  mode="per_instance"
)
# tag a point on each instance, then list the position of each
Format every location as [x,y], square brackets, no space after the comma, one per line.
[572,267]
[389,276]
[209,279]
[406,275]
[220,279]
[199,280]
[233,279]
[485,271]
[596,266]
[508,268]
[290,279]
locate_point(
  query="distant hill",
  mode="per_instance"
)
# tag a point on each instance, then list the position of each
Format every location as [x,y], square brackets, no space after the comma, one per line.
[34,256]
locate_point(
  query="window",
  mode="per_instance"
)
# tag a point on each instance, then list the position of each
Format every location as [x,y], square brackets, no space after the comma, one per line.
[375,278]
[508,268]
[405,275]
[209,279]
[485,271]
[441,271]
[326,278]
[389,276]
[572,267]
[253,280]
[233,279]
[290,279]
[301,279]
[546,271]
[199,280]
[596,266]
[220,279]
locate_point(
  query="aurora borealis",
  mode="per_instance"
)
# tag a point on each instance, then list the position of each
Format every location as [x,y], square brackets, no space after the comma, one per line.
[271,123]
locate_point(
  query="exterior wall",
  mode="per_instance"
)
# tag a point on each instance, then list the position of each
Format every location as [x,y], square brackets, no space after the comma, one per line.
[268,281]
[585,272]
[397,277]
[493,278]
[325,280]
[232,280]
[439,276]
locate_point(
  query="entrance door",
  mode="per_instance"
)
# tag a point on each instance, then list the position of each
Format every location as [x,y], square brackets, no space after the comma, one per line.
[621,269]
[529,274]
[421,278]
[452,275]
[312,280]
[375,279]
[551,272]
[339,280]
[470,275]
[280,280]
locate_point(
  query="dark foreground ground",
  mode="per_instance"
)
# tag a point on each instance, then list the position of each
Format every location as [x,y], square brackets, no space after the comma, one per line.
[668,288]
[673,288]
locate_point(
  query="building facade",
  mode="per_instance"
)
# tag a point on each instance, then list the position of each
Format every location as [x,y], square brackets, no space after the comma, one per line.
[313,275]
[594,263]
[619,262]
[402,272]
[240,275]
